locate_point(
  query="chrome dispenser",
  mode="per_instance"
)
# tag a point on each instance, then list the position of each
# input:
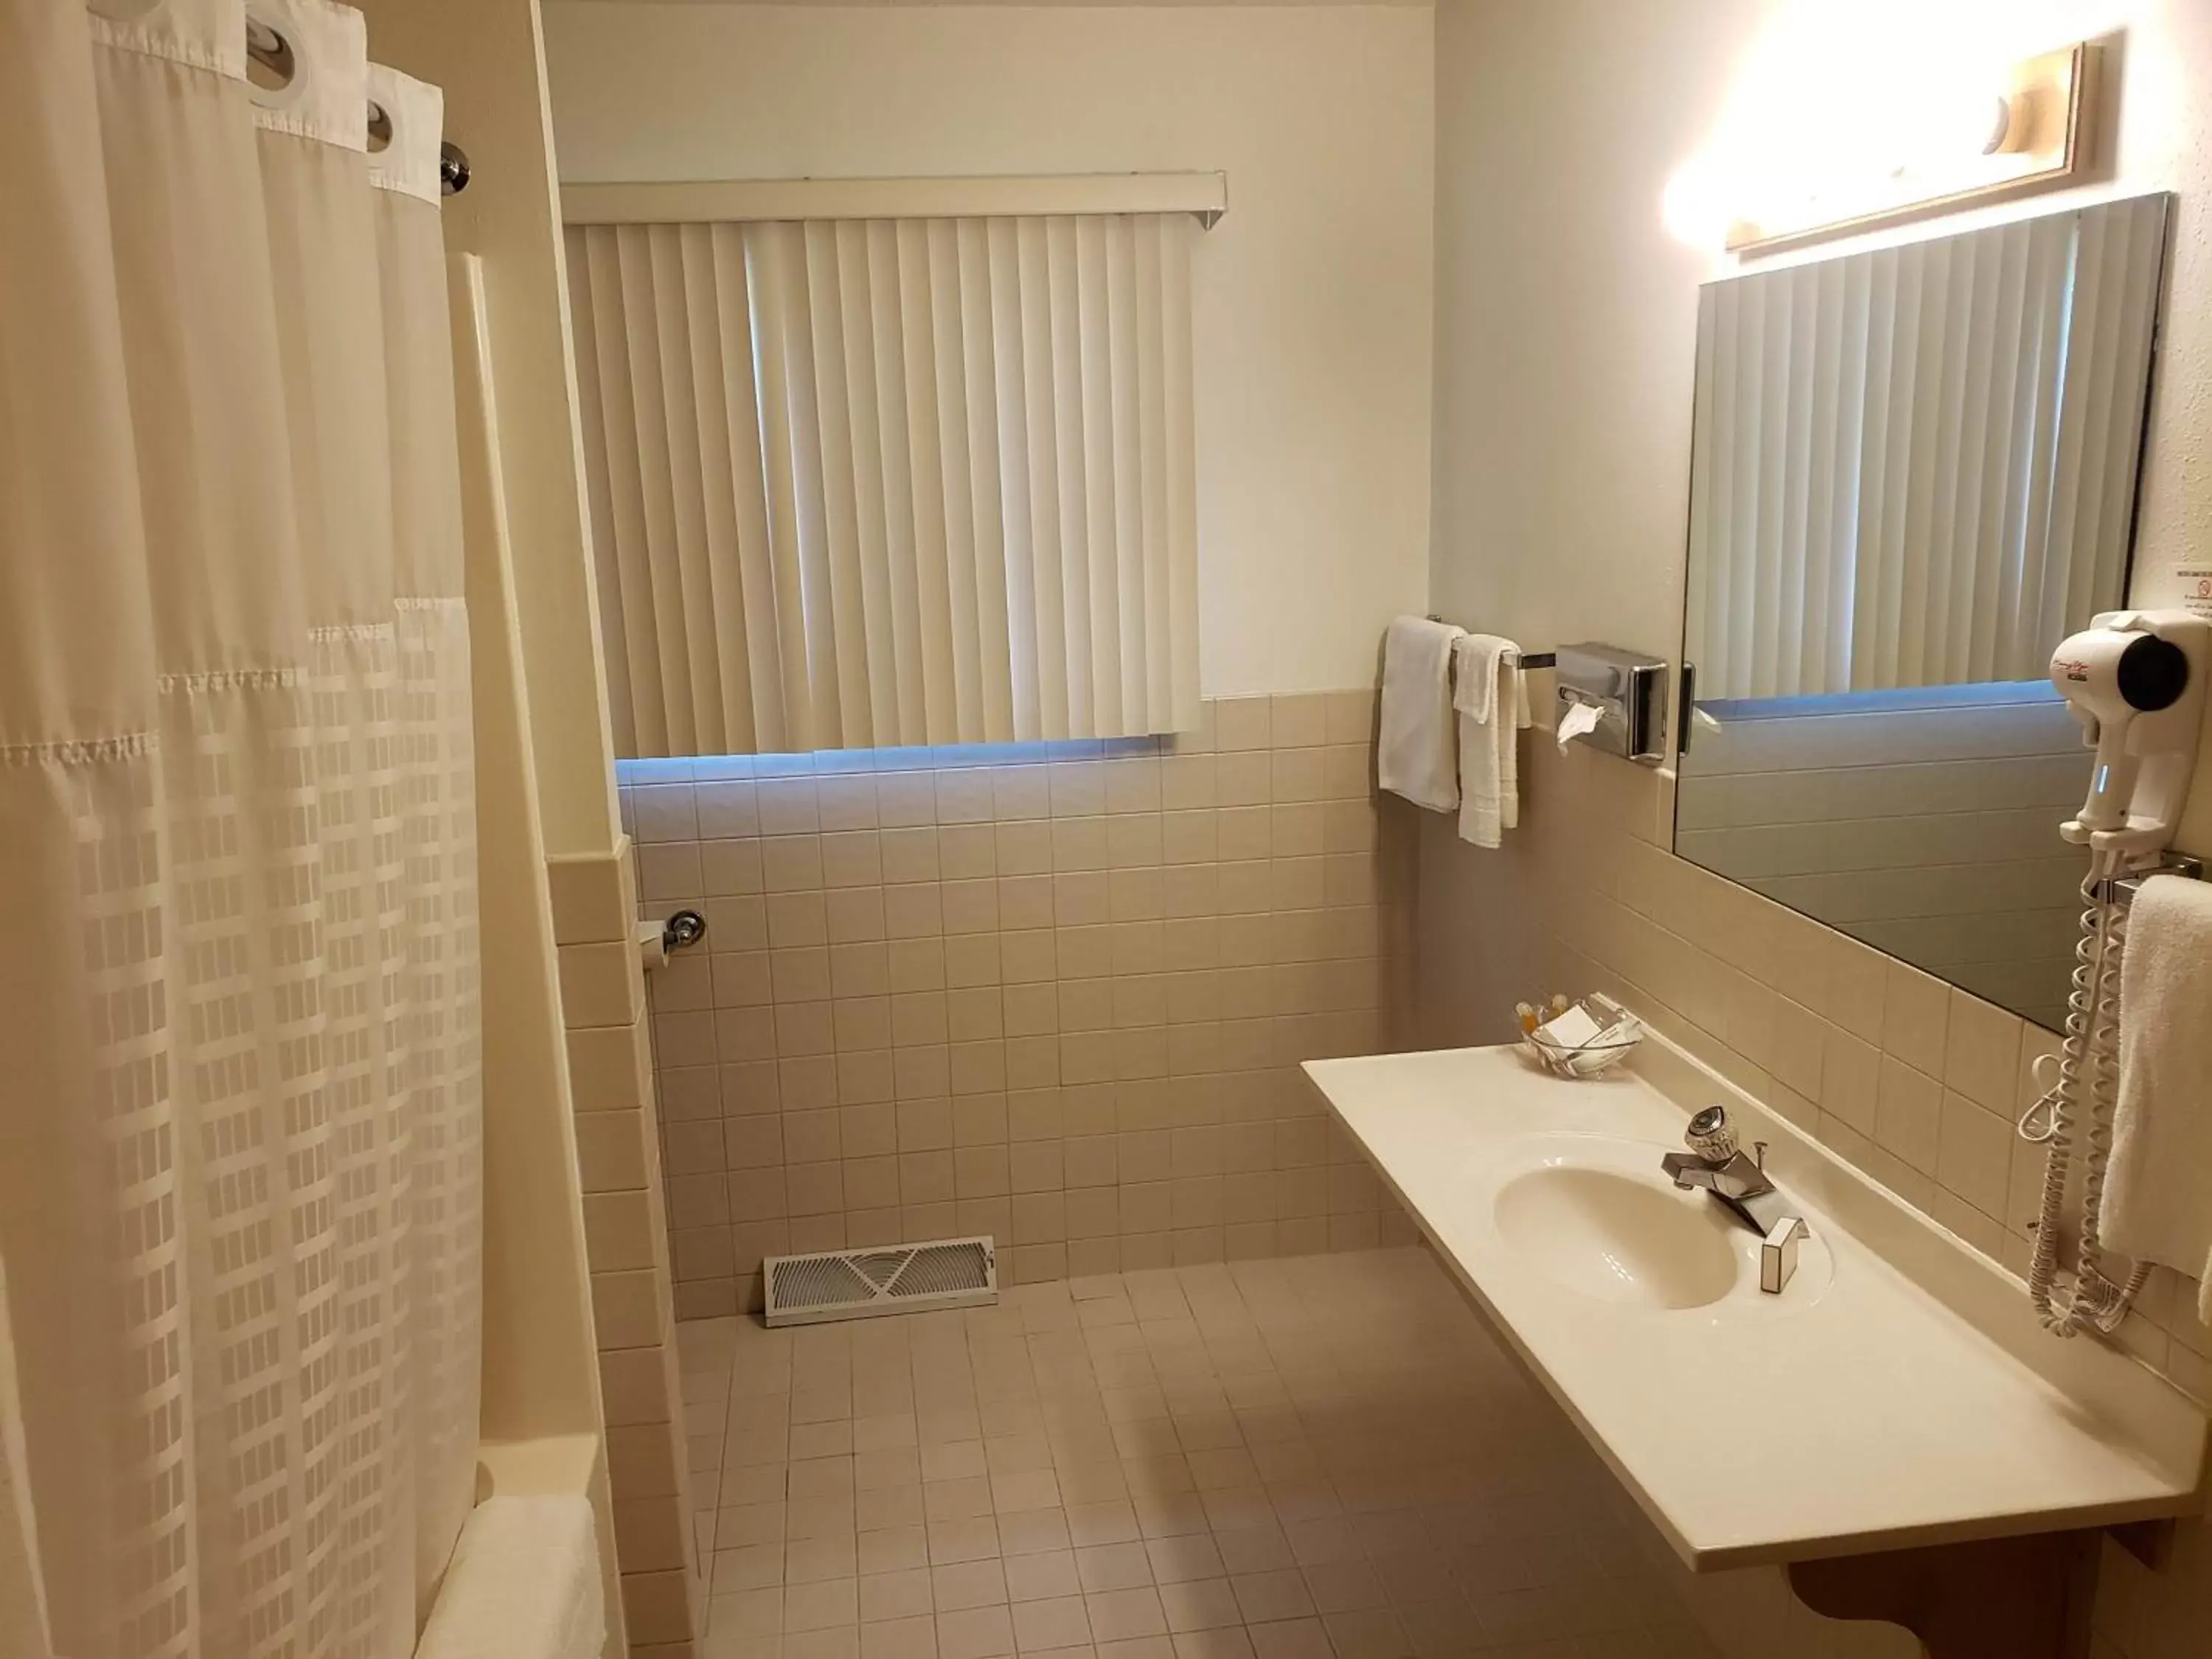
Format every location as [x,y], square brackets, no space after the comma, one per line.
[1629,691]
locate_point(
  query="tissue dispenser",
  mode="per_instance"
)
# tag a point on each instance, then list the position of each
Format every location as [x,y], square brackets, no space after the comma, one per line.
[1626,688]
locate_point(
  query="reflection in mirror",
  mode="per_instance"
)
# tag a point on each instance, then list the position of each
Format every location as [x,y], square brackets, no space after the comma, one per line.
[1914,473]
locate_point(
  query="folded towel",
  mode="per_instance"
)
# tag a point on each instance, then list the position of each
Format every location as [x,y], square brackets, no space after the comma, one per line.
[1413,749]
[524,1584]
[1491,701]
[2158,1190]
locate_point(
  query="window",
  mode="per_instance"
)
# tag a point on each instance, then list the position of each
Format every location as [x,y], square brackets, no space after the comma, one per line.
[880,482]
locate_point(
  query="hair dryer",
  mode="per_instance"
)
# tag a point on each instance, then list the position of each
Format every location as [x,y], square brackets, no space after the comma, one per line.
[2136,680]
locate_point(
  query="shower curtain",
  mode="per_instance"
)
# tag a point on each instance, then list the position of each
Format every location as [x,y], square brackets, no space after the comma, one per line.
[240,1147]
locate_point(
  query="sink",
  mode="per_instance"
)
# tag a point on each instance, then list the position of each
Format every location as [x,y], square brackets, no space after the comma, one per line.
[1593,1214]
[1618,1237]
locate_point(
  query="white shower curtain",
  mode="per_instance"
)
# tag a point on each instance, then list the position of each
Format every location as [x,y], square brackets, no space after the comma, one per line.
[240,1147]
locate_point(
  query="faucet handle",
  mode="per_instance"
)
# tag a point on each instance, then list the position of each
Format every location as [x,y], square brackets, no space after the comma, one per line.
[1710,1135]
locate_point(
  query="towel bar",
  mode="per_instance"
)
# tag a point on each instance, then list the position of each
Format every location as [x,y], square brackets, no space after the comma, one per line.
[1529,658]
[2122,890]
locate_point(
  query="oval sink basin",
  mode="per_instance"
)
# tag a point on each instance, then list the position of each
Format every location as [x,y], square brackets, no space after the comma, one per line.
[1617,1239]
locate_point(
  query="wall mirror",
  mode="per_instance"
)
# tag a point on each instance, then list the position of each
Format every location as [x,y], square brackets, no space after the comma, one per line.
[1913,473]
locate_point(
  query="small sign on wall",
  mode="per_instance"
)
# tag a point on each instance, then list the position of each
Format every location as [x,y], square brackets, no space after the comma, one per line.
[2192,586]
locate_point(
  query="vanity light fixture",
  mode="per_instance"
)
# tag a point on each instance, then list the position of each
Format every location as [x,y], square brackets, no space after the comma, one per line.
[2032,133]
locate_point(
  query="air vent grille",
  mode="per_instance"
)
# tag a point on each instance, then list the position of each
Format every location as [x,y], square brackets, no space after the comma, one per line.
[946,1272]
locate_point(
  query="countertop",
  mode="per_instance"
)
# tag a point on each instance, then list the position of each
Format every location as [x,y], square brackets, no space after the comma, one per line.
[1910,1400]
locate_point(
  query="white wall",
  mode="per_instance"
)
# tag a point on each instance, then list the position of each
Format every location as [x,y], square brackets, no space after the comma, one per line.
[489,67]
[1312,298]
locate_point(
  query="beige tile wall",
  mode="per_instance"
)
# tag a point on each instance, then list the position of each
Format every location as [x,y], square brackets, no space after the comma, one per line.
[1052,993]
[625,1244]
[1914,1082]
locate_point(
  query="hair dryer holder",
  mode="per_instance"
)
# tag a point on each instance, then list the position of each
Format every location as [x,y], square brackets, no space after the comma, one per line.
[2135,680]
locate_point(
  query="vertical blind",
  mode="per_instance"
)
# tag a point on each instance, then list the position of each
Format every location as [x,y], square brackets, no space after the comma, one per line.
[883,481]
[1917,466]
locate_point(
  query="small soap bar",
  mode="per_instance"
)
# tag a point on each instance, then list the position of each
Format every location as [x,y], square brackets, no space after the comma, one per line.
[1571,1029]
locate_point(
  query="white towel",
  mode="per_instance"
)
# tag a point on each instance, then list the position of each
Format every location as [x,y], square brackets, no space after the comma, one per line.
[2158,1190]
[524,1584]
[1413,749]
[1492,700]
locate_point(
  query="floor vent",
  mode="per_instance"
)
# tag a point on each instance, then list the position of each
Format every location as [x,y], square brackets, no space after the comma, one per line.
[946,1272]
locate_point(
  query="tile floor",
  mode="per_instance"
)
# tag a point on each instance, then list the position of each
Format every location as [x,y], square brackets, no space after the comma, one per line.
[1314,1458]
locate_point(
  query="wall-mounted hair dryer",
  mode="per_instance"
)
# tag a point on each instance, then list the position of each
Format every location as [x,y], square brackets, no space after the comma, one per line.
[2136,680]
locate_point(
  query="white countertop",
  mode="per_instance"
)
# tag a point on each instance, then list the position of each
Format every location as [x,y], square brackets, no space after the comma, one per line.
[1899,1392]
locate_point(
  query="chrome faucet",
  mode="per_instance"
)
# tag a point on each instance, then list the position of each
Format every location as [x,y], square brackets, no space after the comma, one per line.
[1716,1162]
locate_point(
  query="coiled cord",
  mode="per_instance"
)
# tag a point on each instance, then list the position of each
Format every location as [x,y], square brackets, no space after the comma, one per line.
[2084,1093]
